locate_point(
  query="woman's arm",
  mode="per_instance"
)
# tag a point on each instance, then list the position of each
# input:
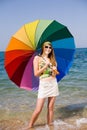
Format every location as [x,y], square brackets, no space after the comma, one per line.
[37,71]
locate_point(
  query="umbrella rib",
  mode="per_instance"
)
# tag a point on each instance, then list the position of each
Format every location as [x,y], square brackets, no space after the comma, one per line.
[18,57]
[28,37]
[23,43]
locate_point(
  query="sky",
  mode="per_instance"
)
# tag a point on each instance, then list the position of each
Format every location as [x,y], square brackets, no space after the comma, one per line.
[16,13]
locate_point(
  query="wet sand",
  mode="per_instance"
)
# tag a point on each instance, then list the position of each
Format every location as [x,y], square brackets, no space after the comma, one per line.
[71,117]
[16,124]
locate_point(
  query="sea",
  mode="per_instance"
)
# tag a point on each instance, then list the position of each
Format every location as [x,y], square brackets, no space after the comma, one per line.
[70,111]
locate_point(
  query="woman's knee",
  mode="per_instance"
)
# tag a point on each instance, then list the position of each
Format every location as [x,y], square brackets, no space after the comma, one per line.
[50,107]
[51,104]
[37,111]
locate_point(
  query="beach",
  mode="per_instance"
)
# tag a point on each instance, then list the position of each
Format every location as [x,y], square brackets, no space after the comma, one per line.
[66,118]
[70,112]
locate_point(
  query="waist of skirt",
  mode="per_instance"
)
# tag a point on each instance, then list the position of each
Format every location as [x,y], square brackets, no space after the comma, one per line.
[50,79]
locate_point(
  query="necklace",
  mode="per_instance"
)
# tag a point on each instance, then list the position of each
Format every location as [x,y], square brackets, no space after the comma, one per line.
[50,65]
[44,58]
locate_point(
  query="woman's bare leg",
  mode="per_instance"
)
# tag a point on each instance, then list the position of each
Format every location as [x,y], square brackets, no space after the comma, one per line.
[39,106]
[51,101]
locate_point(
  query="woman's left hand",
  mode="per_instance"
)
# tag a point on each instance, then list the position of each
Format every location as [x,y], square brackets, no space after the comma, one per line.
[55,70]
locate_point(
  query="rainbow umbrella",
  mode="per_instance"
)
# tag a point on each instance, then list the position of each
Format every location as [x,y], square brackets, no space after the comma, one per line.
[27,42]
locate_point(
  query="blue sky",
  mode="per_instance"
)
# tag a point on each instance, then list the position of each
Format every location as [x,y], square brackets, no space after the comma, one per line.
[15,13]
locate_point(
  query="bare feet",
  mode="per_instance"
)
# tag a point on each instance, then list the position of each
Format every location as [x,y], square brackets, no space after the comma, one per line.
[50,123]
[28,128]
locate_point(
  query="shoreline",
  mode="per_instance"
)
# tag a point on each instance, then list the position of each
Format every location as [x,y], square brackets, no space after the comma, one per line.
[70,124]
[68,117]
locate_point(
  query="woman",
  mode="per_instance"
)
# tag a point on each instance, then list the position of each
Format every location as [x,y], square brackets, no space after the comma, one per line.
[45,67]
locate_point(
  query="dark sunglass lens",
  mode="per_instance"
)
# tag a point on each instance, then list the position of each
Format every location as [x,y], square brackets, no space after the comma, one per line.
[48,47]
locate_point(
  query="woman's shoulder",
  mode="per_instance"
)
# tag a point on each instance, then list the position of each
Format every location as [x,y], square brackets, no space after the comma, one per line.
[37,58]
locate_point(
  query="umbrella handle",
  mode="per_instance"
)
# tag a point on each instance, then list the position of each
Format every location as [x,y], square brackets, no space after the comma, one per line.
[56,72]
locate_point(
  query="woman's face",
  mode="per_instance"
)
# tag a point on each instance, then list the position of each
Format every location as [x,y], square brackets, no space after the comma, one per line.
[47,49]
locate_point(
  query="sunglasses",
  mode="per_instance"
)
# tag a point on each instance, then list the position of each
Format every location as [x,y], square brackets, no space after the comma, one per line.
[48,47]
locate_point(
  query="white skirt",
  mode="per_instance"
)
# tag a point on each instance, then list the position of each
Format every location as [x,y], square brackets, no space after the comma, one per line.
[48,88]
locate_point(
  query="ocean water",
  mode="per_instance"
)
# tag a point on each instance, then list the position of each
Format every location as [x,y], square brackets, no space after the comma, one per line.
[18,104]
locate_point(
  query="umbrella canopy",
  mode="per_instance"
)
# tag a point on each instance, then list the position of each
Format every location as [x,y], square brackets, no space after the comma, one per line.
[27,42]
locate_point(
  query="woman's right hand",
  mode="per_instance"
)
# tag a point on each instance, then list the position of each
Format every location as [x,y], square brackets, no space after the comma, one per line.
[47,63]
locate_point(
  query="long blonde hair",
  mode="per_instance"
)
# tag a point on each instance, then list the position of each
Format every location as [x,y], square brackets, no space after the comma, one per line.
[51,55]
